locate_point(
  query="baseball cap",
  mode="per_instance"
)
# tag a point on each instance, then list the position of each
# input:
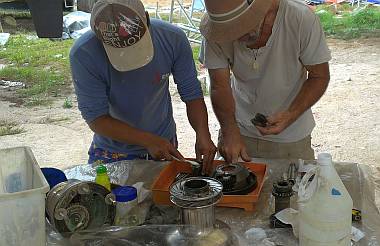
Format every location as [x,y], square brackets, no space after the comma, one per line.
[121,25]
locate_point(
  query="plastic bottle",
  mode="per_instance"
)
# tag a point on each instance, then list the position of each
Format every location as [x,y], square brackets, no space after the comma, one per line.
[127,211]
[102,177]
[325,207]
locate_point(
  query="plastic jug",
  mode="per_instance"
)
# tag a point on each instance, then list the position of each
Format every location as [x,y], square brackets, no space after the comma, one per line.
[325,207]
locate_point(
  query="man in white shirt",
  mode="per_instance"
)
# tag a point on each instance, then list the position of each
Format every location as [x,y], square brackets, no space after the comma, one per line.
[278,56]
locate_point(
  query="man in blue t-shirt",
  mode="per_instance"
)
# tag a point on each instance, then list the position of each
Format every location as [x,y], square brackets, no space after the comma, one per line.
[121,75]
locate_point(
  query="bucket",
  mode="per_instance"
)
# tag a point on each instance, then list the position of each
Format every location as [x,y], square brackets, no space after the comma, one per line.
[47,17]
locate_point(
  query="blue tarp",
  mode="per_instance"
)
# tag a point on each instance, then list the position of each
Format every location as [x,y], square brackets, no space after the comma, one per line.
[374,1]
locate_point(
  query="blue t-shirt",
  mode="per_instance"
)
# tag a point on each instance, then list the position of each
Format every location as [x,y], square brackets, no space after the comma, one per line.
[139,97]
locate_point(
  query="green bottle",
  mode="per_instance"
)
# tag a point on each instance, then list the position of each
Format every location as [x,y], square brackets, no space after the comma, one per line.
[102,177]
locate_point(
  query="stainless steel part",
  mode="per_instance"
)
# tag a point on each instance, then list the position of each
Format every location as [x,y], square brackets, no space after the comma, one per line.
[204,218]
[210,191]
[77,205]
[292,173]
[196,196]
[195,166]
[181,175]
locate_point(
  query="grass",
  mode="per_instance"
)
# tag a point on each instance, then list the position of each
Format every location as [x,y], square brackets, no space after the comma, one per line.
[67,103]
[49,120]
[42,64]
[15,13]
[196,49]
[9,128]
[350,23]
[19,13]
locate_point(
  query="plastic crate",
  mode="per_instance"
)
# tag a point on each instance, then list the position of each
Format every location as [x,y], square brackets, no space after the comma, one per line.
[22,198]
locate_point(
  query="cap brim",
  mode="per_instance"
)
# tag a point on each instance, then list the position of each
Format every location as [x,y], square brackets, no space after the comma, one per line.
[232,30]
[131,57]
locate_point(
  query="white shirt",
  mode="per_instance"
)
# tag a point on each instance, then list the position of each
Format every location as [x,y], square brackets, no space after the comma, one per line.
[297,39]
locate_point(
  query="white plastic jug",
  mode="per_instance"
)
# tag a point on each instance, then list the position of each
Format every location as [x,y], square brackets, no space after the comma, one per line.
[325,207]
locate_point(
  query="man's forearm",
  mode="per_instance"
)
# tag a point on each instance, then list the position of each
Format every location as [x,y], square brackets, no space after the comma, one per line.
[311,91]
[222,100]
[197,115]
[224,107]
[117,130]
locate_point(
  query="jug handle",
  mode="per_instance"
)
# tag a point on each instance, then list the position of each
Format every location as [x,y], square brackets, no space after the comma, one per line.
[306,189]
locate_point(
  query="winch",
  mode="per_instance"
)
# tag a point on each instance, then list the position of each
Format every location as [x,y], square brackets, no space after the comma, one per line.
[196,197]
[77,205]
[236,179]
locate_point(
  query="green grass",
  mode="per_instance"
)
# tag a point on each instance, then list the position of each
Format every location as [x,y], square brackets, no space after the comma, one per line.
[67,103]
[196,49]
[16,13]
[42,64]
[9,128]
[350,23]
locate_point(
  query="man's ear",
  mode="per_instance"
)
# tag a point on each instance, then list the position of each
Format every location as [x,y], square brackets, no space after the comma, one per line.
[147,18]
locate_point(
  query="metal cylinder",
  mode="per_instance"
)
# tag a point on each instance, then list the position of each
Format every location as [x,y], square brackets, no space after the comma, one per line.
[282,191]
[204,218]
[196,196]
[75,205]
[292,173]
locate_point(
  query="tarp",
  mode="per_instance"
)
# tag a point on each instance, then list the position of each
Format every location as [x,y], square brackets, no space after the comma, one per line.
[75,24]
[250,228]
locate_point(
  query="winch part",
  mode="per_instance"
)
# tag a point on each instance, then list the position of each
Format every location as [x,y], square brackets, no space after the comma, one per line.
[236,179]
[356,215]
[276,223]
[260,120]
[292,173]
[196,197]
[282,191]
[181,175]
[77,205]
[195,192]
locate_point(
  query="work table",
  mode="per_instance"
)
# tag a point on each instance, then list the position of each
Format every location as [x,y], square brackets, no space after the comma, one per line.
[360,180]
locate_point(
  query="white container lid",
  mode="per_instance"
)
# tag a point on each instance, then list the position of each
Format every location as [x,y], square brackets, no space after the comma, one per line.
[324,159]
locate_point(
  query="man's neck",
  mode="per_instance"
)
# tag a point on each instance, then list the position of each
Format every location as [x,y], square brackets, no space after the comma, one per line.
[266,28]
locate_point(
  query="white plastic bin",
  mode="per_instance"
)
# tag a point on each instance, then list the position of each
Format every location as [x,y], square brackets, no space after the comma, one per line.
[22,199]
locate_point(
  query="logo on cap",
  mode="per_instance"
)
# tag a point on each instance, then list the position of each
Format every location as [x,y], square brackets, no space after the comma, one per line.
[119,26]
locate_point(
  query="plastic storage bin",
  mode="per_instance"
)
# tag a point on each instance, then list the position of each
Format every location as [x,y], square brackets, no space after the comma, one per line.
[22,199]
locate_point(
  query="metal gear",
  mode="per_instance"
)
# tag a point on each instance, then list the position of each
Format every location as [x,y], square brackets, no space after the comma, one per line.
[78,217]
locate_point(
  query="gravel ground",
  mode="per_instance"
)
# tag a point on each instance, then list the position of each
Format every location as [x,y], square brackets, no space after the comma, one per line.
[348,122]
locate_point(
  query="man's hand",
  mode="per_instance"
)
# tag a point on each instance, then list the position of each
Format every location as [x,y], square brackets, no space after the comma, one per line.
[205,150]
[161,149]
[231,146]
[311,91]
[277,123]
